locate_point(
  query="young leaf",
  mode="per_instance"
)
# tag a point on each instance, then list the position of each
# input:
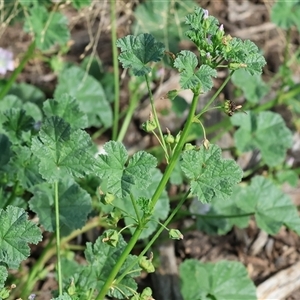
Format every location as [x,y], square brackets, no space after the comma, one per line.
[62,151]
[271,206]
[121,177]
[89,94]
[74,205]
[15,234]
[48,30]
[219,281]
[101,258]
[142,196]
[64,296]
[211,175]
[67,108]
[190,77]
[266,131]
[137,51]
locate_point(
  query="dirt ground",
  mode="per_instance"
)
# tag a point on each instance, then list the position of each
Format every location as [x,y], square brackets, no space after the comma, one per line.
[264,256]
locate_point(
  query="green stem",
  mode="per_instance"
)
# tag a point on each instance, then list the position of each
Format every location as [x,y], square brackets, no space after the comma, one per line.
[18,70]
[135,208]
[37,267]
[57,232]
[27,283]
[116,69]
[125,124]
[212,99]
[208,216]
[155,115]
[155,197]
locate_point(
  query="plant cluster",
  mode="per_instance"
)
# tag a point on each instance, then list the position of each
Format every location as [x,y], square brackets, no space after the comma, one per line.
[51,170]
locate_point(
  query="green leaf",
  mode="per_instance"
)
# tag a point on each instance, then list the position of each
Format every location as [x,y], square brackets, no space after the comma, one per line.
[89,94]
[121,177]
[289,176]
[67,108]
[101,258]
[211,175]
[48,29]
[5,154]
[154,17]
[80,3]
[28,93]
[265,131]
[25,167]
[253,87]
[224,280]
[219,225]
[62,151]
[137,51]
[161,209]
[16,122]
[271,206]
[74,205]
[15,234]
[64,296]
[3,276]
[190,78]
[286,14]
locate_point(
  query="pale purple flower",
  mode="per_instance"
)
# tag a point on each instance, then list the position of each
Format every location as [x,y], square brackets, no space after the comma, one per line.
[208,56]
[32,297]
[6,61]
[205,14]
[221,28]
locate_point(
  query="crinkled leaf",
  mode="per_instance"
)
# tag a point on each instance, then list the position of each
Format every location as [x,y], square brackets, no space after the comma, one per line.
[266,131]
[62,151]
[64,296]
[224,280]
[286,14]
[49,30]
[3,276]
[5,153]
[67,108]
[271,206]
[161,209]
[25,166]
[89,94]
[211,175]
[15,234]
[16,122]
[74,205]
[190,77]
[253,87]
[121,177]
[101,258]
[137,51]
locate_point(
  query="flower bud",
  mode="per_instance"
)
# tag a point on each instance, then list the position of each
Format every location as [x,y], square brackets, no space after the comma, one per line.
[149,125]
[175,234]
[111,238]
[146,264]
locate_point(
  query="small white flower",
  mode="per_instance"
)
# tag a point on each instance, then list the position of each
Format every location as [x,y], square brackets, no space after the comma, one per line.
[6,61]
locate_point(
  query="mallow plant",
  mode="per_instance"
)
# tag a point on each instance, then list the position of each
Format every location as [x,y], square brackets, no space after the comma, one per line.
[52,170]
